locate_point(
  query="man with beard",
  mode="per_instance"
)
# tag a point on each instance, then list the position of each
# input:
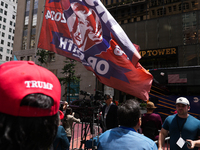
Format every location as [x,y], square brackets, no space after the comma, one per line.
[181,127]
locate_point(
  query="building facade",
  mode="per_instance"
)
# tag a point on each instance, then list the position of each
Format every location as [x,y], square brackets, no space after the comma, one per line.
[167,31]
[168,34]
[8,9]
[28,24]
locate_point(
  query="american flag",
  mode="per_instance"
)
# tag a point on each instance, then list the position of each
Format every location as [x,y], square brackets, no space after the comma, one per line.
[177,78]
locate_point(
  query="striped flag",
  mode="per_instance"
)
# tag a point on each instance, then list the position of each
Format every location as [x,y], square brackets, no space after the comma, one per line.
[177,78]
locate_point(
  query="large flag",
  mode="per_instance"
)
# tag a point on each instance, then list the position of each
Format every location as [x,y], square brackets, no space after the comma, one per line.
[85,31]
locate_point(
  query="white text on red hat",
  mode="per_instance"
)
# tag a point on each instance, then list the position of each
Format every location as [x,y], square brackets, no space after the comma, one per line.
[38,84]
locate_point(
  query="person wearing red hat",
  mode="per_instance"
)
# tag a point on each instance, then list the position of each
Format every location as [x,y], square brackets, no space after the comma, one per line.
[29,103]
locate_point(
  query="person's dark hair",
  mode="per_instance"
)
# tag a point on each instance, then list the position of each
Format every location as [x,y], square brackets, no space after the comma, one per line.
[29,133]
[108,96]
[129,113]
[68,111]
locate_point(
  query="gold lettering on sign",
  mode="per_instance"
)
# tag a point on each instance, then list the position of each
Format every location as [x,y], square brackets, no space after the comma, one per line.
[168,51]
[143,53]
[173,50]
[161,51]
[149,52]
[158,52]
[155,52]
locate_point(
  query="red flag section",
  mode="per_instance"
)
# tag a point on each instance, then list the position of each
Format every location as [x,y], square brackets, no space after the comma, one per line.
[85,31]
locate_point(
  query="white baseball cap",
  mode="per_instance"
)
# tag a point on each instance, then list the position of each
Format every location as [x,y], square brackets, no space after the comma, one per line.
[182,100]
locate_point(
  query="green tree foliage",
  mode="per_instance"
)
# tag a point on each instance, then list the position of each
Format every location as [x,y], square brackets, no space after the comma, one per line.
[43,56]
[69,77]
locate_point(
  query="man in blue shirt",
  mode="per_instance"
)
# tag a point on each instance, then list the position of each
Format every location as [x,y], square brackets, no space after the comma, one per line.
[181,127]
[125,136]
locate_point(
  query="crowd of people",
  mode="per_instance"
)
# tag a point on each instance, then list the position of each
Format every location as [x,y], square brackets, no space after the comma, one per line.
[31,117]
[182,128]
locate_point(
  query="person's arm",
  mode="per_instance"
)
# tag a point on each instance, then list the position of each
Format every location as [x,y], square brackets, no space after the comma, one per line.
[195,143]
[163,133]
[65,106]
[76,120]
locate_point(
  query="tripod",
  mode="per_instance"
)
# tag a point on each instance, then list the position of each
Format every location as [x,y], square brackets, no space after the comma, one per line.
[87,126]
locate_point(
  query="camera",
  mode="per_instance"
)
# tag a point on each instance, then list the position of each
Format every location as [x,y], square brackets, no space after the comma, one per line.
[92,105]
[84,93]
[99,95]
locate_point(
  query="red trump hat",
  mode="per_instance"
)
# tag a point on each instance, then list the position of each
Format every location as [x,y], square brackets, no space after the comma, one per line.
[61,114]
[21,78]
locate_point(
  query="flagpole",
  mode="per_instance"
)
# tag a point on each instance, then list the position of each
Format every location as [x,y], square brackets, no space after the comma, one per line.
[40,26]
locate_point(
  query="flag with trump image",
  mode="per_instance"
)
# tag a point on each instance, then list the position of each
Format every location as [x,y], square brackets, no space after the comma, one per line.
[85,31]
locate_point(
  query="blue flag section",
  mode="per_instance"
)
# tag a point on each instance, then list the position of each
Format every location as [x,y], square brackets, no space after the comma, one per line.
[85,31]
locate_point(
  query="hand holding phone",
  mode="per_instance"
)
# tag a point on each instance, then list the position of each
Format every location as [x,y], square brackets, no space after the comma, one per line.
[188,143]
